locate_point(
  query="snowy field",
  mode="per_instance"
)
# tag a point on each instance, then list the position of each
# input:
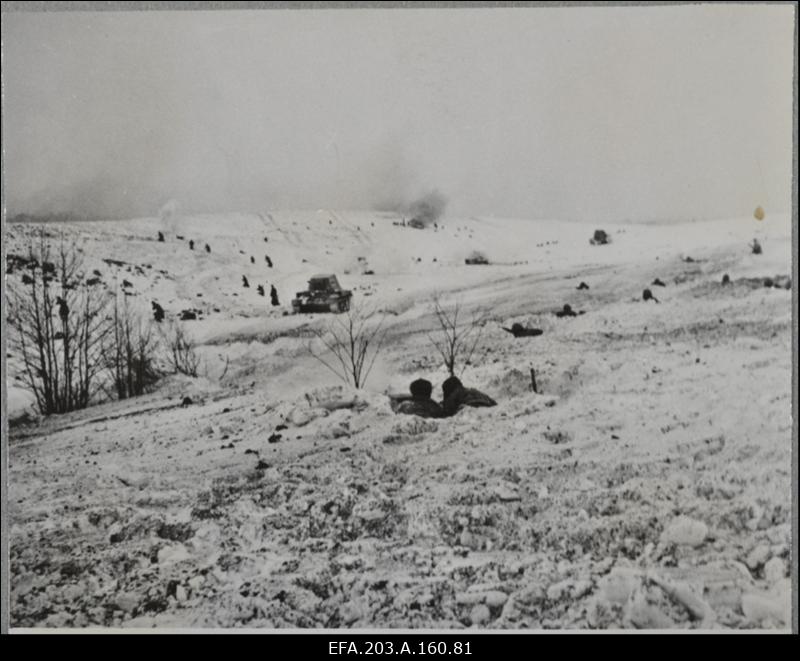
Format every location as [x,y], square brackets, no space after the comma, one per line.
[647,485]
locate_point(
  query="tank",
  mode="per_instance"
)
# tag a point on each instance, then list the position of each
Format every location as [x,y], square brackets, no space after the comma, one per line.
[324,294]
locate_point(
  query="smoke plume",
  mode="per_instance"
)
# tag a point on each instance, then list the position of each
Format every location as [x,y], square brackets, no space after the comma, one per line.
[427,209]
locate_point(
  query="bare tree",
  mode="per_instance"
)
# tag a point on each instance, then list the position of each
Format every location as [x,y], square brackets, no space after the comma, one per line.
[354,340]
[456,337]
[131,351]
[59,326]
[182,354]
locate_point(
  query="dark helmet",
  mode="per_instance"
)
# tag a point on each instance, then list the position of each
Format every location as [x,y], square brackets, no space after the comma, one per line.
[450,386]
[421,389]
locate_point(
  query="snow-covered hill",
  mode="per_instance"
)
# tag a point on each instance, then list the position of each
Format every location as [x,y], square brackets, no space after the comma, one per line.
[647,485]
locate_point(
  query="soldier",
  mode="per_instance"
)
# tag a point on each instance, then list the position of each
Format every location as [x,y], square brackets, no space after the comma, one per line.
[268,260]
[208,248]
[456,396]
[63,310]
[191,244]
[421,403]
[518,330]
[161,237]
[273,294]
[260,290]
[647,295]
[158,312]
[244,281]
[566,311]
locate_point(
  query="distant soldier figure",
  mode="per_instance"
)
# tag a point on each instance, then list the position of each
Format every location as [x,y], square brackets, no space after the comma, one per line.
[191,244]
[657,283]
[161,237]
[755,247]
[63,310]
[273,294]
[252,259]
[244,281]
[647,295]
[421,403]
[456,396]
[158,312]
[208,248]
[260,290]
[518,330]
[583,285]
[566,311]
[726,279]
[268,260]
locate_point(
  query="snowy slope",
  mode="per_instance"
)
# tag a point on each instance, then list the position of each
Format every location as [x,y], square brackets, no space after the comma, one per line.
[647,486]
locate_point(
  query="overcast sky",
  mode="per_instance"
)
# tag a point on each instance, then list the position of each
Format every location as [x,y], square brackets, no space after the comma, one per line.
[601,113]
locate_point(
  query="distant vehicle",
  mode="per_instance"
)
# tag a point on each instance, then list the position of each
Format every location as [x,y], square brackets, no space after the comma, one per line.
[476,258]
[324,294]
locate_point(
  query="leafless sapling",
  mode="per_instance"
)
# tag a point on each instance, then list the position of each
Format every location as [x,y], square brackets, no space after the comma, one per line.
[456,334]
[353,339]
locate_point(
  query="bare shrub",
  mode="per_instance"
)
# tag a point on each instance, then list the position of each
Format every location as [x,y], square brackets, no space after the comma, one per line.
[456,336]
[131,351]
[182,355]
[58,327]
[354,339]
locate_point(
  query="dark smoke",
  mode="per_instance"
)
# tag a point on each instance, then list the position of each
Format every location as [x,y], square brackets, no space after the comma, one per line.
[427,209]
